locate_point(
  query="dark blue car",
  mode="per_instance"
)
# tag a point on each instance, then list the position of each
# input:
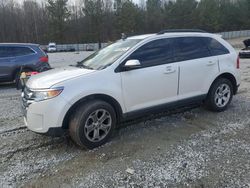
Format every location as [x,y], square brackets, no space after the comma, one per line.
[25,57]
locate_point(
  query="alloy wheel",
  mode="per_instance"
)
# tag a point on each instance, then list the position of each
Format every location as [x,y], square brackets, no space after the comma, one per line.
[98,125]
[222,95]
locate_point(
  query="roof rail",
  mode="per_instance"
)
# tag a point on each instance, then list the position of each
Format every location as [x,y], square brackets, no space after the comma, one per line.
[181,31]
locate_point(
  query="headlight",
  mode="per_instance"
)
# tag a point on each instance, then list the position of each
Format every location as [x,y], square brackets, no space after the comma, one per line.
[40,95]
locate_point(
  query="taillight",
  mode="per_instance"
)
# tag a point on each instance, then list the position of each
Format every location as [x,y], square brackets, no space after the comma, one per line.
[238,62]
[44,59]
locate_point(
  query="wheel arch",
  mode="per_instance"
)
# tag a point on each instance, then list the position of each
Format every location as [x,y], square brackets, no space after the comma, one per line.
[113,102]
[230,77]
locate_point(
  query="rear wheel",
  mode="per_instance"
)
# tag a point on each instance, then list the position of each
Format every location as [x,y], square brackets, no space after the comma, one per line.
[220,95]
[92,124]
[18,81]
[17,78]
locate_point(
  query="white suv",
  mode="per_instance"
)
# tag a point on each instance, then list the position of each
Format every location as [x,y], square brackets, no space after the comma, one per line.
[132,77]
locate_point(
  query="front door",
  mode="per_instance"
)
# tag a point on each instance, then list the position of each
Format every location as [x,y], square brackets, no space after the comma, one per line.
[156,81]
[6,63]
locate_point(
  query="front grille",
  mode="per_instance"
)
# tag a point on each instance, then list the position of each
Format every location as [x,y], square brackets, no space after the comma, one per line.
[27,93]
[25,102]
[26,97]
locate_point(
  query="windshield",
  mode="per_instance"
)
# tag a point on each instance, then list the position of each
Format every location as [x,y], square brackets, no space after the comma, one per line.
[108,55]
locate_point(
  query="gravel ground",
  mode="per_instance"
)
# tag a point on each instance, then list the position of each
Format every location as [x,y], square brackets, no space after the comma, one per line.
[67,58]
[184,148]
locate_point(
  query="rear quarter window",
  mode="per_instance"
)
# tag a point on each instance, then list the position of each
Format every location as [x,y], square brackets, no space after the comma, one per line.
[215,47]
[5,52]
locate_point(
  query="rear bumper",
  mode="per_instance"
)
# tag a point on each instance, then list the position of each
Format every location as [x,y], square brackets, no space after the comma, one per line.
[41,67]
[244,54]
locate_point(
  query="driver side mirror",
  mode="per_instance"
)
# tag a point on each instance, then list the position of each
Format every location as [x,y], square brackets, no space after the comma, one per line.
[132,64]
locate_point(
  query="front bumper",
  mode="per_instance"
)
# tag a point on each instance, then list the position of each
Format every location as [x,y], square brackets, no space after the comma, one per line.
[237,89]
[46,116]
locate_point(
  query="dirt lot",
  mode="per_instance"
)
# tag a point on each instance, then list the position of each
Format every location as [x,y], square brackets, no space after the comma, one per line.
[188,148]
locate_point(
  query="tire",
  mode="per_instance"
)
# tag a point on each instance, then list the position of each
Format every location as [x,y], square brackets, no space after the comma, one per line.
[220,95]
[17,81]
[17,78]
[88,127]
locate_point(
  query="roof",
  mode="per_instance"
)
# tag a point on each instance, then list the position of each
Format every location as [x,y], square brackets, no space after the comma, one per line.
[18,44]
[171,34]
[141,36]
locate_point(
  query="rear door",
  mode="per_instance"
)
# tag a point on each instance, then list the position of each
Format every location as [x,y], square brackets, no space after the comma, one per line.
[197,66]
[227,60]
[7,61]
[25,56]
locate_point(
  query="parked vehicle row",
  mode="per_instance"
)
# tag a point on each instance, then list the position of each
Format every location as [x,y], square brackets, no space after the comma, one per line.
[132,77]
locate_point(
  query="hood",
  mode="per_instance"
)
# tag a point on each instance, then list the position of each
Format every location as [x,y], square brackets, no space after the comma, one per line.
[49,78]
[247,43]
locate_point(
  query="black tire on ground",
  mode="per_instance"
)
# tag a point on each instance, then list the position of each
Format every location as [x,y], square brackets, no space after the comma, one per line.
[86,122]
[215,97]
[17,80]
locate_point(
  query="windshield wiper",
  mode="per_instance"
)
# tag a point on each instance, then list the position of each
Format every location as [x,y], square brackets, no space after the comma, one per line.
[80,65]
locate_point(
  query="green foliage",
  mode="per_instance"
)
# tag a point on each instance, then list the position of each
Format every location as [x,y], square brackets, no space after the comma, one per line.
[154,15]
[58,16]
[209,15]
[126,17]
[105,20]
[181,14]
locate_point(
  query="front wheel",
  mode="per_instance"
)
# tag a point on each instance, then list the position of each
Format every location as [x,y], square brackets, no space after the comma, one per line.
[92,124]
[220,95]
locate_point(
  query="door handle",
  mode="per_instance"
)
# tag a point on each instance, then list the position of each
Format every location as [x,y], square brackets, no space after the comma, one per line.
[211,63]
[169,69]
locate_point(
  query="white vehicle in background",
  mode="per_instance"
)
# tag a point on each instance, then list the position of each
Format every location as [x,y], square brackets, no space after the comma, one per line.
[135,76]
[52,47]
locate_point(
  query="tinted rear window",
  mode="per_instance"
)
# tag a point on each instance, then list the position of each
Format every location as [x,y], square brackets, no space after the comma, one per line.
[215,47]
[187,48]
[13,51]
[20,51]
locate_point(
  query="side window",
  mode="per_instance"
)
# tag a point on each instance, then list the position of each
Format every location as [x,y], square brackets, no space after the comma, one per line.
[154,53]
[5,52]
[20,51]
[215,47]
[187,48]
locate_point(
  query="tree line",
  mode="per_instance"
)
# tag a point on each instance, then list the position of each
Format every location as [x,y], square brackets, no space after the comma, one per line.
[104,20]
